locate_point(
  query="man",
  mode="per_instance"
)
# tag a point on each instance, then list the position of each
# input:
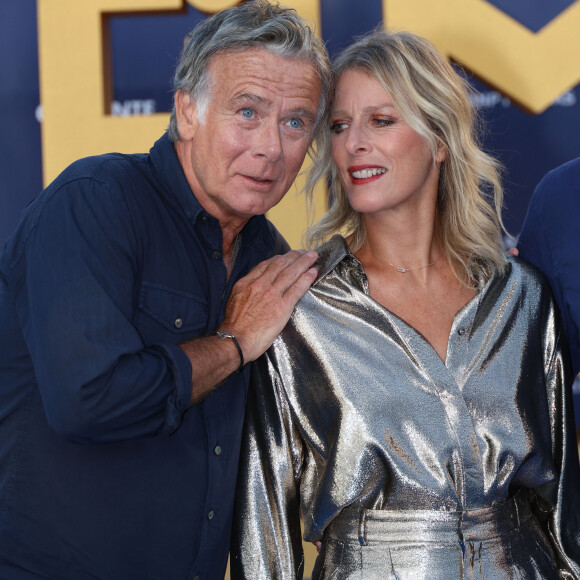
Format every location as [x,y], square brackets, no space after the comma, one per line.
[120,408]
[550,239]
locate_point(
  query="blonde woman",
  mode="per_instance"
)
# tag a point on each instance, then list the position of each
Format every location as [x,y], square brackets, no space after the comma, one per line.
[414,409]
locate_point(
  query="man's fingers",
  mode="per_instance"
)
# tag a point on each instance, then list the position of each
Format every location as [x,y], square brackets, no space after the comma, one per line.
[262,302]
[298,260]
[282,279]
[298,287]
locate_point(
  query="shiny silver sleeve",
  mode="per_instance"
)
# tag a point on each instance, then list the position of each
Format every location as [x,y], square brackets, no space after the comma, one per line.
[266,538]
[559,505]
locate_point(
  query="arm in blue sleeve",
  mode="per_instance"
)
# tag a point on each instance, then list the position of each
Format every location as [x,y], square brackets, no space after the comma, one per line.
[550,239]
[74,289]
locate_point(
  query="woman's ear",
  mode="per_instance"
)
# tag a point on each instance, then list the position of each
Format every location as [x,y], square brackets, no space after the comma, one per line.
[441,153]
[186,115]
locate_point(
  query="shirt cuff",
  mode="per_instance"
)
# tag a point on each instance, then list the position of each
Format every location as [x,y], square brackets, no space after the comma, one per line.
[180,399]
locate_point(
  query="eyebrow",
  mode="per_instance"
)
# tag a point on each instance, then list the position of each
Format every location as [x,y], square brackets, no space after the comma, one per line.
[256,99]
[369,109]
[300,112]
[251,98]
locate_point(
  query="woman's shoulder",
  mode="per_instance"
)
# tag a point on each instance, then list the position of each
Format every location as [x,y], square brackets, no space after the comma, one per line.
[528,277]
[521,268]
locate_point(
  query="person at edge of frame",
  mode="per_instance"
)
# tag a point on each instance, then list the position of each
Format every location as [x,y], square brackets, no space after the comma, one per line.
[550,239]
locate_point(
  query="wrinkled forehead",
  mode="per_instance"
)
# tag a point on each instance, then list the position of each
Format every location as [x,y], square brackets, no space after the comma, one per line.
[264,53]
[258,70]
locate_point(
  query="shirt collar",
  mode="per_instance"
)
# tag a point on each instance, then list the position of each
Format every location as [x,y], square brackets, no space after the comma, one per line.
[329,255]
[334,254]
[169,170]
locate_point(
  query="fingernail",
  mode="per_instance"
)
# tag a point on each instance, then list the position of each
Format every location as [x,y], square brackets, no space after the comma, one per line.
[312,254]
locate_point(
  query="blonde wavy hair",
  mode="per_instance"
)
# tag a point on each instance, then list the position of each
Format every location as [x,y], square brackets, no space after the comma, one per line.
[434,101]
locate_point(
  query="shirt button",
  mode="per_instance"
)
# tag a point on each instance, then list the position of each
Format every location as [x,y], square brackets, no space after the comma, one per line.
[216,255]
[203,219]
[210,515]
[178,323]
[461,331]
[217,450]
[196,578]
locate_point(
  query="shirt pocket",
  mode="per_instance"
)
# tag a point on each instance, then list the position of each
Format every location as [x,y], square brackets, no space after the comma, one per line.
[168,315]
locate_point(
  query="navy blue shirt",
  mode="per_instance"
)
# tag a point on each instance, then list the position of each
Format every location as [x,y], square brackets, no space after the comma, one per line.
[105,470]
[550,239]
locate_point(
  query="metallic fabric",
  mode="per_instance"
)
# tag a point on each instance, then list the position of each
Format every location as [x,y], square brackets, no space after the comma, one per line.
[406,466]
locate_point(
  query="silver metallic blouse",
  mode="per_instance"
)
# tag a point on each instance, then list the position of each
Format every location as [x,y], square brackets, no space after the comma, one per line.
[391,454]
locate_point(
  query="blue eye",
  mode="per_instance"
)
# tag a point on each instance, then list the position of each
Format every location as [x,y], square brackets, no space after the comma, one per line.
[248,113]
[295,123]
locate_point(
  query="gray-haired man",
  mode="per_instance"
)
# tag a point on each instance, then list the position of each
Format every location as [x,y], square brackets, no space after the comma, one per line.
[129,304]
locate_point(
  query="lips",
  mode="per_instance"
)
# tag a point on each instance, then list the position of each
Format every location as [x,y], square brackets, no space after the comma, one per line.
[258,180]
[363,174]
[261,184]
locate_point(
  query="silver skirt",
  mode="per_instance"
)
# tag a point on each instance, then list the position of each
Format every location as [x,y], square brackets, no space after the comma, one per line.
[416,544]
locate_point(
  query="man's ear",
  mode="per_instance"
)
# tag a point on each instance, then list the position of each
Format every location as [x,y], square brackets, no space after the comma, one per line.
[186,115]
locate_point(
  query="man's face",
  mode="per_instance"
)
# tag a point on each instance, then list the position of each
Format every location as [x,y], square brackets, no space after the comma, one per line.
[243,154]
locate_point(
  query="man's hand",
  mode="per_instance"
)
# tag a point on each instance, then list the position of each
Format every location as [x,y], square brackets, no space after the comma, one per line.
[258,309]
[261,302]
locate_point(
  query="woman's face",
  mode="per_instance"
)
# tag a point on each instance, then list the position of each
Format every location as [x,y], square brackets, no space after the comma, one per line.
[383,164]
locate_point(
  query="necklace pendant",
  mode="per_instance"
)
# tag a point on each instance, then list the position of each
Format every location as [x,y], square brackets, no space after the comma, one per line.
[402,269]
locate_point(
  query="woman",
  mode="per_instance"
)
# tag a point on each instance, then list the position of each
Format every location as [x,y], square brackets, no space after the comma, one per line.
[414,407]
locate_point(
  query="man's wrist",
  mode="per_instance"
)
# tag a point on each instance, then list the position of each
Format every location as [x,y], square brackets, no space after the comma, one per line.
[223,334]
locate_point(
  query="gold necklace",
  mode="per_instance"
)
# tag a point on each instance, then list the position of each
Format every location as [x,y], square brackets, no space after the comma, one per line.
[400,268]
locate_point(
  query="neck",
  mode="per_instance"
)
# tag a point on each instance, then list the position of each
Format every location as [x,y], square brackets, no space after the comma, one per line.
[404,244]
[230,241]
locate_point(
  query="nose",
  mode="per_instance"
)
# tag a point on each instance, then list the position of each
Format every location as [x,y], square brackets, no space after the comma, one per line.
[356,141]
[268,141]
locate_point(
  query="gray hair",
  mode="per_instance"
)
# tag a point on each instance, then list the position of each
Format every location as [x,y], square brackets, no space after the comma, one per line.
[258,24]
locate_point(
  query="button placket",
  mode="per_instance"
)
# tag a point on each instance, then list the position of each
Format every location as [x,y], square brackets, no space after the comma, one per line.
[459,339]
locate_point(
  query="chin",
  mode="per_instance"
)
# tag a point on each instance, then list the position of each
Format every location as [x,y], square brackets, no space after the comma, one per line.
[252,209]
[362,207]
